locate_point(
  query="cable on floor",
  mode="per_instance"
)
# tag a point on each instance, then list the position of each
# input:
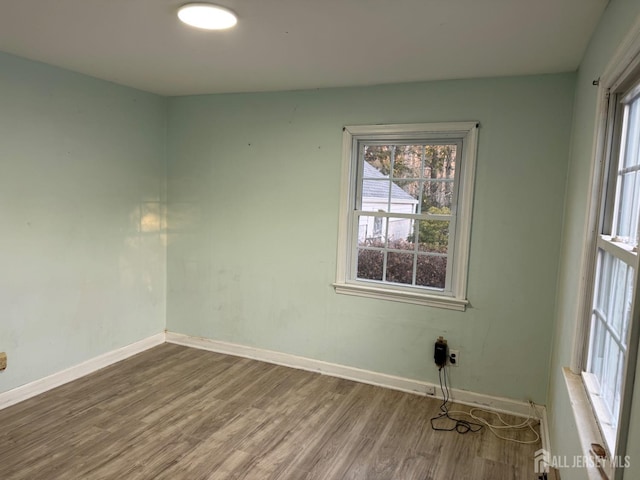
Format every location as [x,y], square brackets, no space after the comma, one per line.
[465,426]
[460,426]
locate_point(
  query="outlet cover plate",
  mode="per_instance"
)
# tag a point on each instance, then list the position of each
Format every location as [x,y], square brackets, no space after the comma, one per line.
[454,358]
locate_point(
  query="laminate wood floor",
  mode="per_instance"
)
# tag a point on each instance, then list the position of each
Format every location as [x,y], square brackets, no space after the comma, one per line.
[180,413]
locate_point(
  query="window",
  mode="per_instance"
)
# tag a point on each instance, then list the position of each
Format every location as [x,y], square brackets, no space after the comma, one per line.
[406,212]
[615,261]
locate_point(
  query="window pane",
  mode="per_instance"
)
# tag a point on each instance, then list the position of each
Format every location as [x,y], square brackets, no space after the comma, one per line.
[609,380]
[375,195]
[400,267]
[405,196]
[627,221]
[433,236]
[611,316]
[614,294]
[628,182]
[631,157]
[378,157]
[370,264]
[604,281]
[618,391]
[628,301]
[402,245]
[431,271]
[407,161]
[635,211]
[440,161]
[437,196]
[597,347]
[401,230]
[618,292]
[371,231]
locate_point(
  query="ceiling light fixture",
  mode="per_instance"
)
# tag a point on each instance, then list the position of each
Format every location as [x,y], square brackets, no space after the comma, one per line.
[207,16]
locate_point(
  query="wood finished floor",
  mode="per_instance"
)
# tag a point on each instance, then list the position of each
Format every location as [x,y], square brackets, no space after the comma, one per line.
[179,413]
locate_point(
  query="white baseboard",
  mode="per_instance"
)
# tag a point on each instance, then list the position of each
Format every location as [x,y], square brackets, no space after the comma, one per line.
[497,404]
[545,439]
[37,387]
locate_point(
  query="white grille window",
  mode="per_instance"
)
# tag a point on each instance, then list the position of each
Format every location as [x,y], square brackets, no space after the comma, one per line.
[406,212]
[616,265]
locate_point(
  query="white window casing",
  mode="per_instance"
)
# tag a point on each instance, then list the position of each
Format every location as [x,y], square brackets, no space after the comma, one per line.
[454,293]
[608,315]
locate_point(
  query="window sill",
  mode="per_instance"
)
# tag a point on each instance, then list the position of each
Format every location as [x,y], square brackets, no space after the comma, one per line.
[606,428]
[586,424]
[425,299]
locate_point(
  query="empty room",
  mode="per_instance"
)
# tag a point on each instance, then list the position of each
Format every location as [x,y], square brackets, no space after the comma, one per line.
[296,240]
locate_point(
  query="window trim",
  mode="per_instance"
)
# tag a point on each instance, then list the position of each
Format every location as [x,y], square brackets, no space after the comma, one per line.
[456,299]
[606,158]
[620,71]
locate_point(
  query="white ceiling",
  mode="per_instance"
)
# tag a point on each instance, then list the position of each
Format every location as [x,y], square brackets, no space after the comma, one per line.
[298,44]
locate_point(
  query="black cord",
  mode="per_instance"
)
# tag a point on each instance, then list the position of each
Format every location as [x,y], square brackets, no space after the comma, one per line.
[460,426]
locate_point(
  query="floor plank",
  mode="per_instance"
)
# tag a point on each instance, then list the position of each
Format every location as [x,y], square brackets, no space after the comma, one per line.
[174,412]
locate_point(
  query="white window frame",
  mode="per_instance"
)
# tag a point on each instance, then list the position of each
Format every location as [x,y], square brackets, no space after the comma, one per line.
[453,297]
[622,69]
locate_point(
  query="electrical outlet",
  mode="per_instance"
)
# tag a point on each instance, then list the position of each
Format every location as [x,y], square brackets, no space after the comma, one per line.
[430,390]
[3,361]
[454,358]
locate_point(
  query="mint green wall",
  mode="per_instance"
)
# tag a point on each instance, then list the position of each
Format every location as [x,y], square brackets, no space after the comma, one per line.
[254,182]
[82,264]
[615,23]
[253,187]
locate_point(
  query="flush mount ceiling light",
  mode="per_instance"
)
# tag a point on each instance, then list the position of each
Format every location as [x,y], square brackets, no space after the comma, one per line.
[207,16]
